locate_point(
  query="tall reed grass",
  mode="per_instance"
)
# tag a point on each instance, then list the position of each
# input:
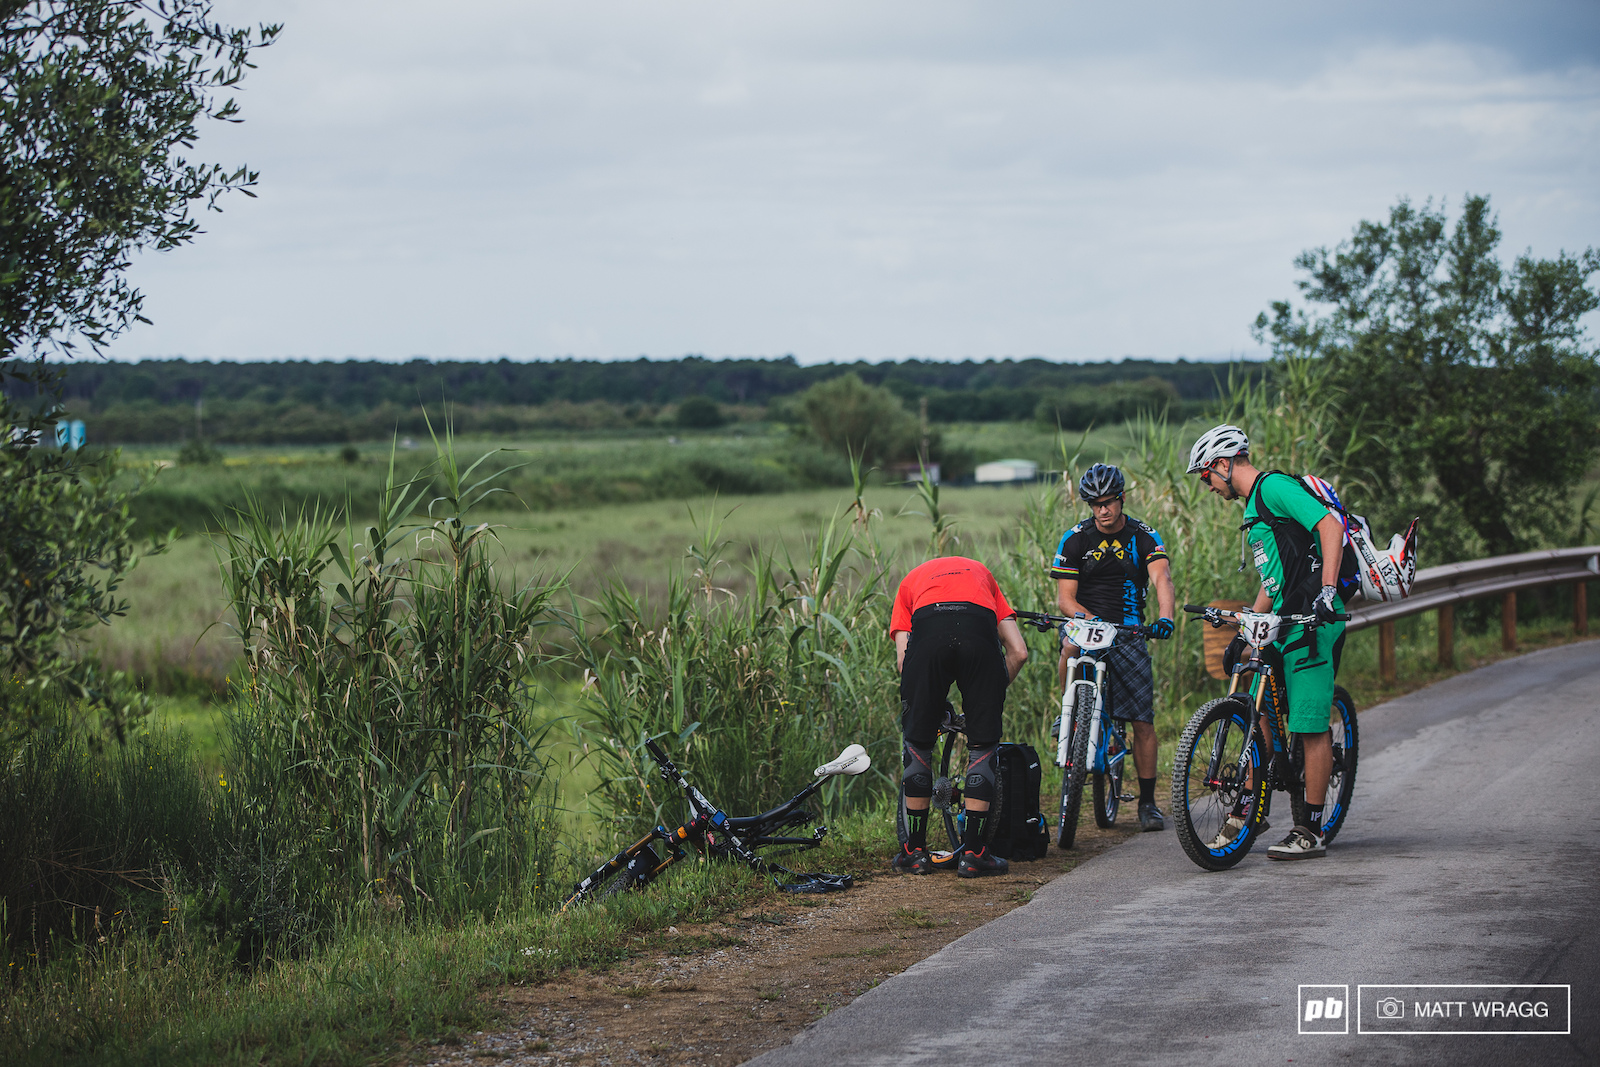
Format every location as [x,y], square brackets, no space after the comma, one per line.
[750,690]
[384,736]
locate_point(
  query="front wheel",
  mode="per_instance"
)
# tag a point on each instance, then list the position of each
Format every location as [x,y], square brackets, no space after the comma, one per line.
[1218,766]
[1077,766]
[1342,783]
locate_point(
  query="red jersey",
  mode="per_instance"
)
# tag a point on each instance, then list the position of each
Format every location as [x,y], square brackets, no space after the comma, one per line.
[947,580]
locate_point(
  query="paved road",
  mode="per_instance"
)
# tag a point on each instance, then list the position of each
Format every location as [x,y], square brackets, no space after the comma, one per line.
[1472,855]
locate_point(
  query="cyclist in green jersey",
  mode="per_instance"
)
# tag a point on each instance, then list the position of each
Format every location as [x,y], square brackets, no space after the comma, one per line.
[1297,544]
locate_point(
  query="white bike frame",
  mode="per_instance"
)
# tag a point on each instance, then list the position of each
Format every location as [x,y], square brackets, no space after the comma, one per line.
[1089,637]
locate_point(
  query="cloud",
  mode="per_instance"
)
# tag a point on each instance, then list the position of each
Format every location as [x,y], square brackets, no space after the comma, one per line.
[843,181]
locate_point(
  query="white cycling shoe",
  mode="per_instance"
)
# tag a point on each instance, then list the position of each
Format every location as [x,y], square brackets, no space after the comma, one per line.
[1232,828]
[1301,844]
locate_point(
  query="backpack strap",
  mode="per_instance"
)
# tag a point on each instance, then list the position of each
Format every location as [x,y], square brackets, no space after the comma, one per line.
[1289,534]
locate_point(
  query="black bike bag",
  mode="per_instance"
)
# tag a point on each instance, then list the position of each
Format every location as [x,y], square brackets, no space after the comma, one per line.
[1020,832]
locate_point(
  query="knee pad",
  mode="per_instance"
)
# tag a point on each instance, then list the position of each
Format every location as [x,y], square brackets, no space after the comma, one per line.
[981,780]
[918,778]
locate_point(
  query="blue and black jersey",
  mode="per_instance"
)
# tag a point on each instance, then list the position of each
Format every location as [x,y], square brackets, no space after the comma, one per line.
[1112,570]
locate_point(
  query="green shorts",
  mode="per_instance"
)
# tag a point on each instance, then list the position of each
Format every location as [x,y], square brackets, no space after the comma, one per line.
[1309,675]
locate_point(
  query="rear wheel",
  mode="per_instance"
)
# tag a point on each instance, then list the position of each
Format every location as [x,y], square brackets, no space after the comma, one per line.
[946,801]
[1342,783]
[947,789]
[639,871]
[1213,770]
[1108,785]
[1078,764]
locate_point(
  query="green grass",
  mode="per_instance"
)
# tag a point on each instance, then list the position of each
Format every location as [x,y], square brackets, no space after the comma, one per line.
[177,615]
[375,986]
[200,718]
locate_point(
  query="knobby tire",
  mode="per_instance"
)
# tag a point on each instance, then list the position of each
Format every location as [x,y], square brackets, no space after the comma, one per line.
[1200,808]
[1108,785]
[1072,777]
[1342,786]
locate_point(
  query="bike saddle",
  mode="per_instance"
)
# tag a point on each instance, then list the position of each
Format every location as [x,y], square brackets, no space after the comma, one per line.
[853,760]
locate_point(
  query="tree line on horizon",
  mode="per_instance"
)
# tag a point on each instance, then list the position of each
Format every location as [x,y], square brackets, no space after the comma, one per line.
[172,400]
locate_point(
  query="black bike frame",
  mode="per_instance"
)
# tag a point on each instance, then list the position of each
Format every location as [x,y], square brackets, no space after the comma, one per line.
[740,835]
[1266,664]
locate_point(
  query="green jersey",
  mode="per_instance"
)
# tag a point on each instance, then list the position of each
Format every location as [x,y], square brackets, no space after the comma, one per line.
[1280,522]
[1288,572]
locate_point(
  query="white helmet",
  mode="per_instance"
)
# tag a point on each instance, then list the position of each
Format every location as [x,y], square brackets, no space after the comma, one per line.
[1219,442]
[1387,574]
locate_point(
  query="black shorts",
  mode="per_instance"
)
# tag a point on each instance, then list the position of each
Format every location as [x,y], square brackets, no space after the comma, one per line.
[959,644]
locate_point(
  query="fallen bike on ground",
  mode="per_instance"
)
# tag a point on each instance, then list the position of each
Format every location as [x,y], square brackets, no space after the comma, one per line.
[711,829]
[1223,759]
[1088,741]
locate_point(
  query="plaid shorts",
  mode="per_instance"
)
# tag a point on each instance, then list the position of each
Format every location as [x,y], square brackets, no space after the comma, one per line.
[1130,683]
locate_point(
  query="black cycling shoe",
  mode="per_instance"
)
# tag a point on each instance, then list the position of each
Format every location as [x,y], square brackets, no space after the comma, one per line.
[977,864]
[1151,817]
[912,860]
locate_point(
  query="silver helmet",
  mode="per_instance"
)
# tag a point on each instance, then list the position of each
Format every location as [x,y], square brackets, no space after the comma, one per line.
[1219,442]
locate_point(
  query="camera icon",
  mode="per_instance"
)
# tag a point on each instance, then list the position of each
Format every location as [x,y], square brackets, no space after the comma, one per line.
[1390,1008]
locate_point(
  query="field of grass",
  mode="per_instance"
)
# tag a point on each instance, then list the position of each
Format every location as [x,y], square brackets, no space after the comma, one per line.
[177,616]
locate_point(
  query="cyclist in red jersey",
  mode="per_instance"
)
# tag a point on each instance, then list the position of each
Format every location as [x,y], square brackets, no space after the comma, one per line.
[952,625]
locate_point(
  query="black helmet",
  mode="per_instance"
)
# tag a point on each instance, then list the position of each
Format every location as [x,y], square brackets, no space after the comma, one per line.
[1100,481]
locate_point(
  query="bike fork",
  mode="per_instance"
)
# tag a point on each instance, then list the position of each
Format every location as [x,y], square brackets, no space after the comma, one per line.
[1094,716]
[1064,740]
[1074,687]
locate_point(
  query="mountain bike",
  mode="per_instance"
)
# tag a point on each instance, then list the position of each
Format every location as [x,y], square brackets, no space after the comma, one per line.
[1223,759]
[714,831]
[1088,741]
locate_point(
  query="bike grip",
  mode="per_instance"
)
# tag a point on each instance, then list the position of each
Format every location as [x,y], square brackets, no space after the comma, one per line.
[1194,609]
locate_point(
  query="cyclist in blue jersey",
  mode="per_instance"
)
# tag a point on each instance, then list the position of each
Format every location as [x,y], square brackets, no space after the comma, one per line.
[1102,569]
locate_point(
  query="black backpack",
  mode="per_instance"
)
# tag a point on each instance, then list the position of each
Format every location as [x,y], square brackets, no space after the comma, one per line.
[1299,551]
[1020,833]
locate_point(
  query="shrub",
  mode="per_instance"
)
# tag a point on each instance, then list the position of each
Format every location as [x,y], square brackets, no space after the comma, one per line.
[700,413]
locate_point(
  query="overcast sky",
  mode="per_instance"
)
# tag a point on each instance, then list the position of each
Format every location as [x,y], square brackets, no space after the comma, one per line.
[853,180]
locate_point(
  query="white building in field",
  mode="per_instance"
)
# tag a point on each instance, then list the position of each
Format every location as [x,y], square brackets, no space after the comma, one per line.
[1007,470]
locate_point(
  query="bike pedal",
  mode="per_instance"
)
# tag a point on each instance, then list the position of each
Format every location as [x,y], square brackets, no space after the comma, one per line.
[1127,797]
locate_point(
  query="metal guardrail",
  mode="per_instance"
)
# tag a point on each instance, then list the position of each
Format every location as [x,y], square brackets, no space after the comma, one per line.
[1454,582]
[1442,588]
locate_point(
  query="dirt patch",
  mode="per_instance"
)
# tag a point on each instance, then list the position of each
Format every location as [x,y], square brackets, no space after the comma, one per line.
[775,969]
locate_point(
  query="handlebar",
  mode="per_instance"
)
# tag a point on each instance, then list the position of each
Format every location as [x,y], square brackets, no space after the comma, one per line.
[1215,616]
[1044,622]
